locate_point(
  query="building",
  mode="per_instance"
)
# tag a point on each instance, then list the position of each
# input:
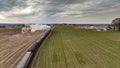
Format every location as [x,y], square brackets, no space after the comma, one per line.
[116,24]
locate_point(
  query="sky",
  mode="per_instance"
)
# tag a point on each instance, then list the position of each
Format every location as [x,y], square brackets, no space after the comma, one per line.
[59,11]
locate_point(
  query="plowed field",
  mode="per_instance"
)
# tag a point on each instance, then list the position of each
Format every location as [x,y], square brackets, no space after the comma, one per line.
[13,46]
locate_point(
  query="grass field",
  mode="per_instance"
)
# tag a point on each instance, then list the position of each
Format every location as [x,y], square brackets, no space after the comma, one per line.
[79,48]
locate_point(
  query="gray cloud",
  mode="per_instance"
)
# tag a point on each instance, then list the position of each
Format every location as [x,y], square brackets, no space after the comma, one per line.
[6,5]
[59,10]
[64,2]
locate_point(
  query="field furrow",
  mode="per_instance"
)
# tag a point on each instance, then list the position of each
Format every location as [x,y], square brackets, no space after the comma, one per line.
[69,47]
[14,45]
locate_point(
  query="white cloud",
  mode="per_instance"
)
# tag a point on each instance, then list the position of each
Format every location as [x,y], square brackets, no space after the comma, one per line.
[50,10]
[67,13]
[77,9]
[109,10]
[32,11]
[2,17]
[17,11]
[27,10]
[84,5]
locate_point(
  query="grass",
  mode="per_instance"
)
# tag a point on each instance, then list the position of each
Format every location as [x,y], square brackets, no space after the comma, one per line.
[79,48]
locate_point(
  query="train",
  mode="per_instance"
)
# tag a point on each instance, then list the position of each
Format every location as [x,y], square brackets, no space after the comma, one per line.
[29,56]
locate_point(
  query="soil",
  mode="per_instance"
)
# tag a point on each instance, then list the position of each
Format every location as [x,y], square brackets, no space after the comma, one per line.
[13,46]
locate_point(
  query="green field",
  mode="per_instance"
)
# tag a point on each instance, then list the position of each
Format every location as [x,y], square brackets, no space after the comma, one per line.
[79,48]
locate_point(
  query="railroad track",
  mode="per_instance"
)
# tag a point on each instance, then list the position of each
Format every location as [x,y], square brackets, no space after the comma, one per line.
[27,60]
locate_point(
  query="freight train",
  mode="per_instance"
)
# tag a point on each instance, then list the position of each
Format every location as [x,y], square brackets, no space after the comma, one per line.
[28,58]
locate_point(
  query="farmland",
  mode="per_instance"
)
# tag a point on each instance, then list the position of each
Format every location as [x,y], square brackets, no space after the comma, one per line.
[80,48]
[13,45]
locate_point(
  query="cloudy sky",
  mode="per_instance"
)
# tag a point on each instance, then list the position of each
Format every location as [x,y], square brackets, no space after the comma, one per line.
[59,11]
